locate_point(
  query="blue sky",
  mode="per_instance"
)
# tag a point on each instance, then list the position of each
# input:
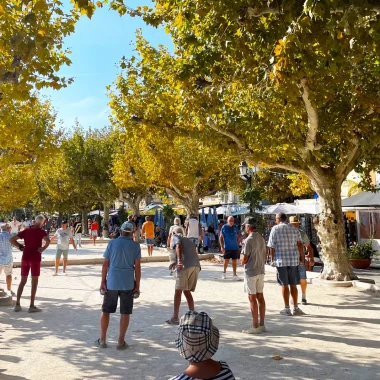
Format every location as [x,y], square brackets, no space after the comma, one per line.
[97,46]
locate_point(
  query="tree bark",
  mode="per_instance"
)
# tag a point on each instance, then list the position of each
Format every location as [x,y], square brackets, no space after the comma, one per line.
[85,222]
[106,217]
[134,205]
[191,206]
[331,230]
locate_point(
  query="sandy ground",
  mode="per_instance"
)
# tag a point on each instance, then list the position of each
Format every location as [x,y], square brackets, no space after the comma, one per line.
[337,339]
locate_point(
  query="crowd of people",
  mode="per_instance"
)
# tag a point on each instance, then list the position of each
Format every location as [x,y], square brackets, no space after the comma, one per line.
[197,337]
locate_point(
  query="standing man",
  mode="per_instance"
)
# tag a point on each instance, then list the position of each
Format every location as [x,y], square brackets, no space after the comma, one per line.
[187,272]
[136,220]
[148,232]
[78,232]
[130,220]
[15,226]
[31,258]
[94,230]
[253,258]
[121,274]
[229,244]
[6,257]
[48,225]
[194,230]
[293,220]
[65,237]
[286,252]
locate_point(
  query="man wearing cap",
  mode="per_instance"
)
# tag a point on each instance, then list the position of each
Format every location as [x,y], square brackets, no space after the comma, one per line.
[253,258]
[6,257]
[35,241]
[229,245]
[294,221]
[286,251]
[65,237]
[197,342]
[187,271]
[121,274]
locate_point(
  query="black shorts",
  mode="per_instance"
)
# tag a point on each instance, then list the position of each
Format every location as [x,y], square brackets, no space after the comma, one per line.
[110,301]
[233,254]
[287,276]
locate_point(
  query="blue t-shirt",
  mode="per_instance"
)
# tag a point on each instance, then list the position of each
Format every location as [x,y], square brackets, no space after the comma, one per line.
[230,236]
[122,253]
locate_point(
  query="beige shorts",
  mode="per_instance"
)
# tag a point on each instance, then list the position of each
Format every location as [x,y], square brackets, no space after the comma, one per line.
[187,279]
[7,269]
[254,285]
[94,233]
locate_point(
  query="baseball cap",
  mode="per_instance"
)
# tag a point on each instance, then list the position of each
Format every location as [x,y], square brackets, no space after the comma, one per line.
[293,220]
[127,227]
[249,220]
[64,221]
[198,338]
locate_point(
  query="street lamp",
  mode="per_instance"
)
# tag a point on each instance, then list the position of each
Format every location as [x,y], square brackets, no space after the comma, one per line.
[245,173]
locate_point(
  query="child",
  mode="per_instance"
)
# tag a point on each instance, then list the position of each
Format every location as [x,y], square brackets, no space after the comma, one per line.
[197,342]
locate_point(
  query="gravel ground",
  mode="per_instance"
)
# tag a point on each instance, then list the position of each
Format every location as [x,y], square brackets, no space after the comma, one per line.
[337,339]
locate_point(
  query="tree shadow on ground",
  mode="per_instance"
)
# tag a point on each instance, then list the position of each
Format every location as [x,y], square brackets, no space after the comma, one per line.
[310,345]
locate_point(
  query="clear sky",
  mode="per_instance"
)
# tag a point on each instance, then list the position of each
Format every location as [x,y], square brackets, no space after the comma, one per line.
[97,46]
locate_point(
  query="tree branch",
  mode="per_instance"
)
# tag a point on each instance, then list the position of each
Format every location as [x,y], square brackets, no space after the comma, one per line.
[313,121]
[348,162]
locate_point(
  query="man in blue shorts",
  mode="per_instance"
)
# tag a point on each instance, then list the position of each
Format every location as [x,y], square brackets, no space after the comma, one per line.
[294,221]
[286,251]
[229,244]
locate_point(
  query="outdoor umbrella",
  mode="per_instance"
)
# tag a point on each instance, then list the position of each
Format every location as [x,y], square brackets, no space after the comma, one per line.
[216,221]
[209,217]
[156,218]
[203,217]
[286,208]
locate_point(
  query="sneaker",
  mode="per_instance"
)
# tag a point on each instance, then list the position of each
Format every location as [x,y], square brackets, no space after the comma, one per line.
[286,311]
[17,308]
[263,328]
[55,274]
[253,330]
[236,278]
[80,246]
[34,309]
[224,276]
[298,311]
[304,302]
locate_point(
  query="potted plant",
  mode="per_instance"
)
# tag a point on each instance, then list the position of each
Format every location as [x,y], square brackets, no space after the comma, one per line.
[360,256]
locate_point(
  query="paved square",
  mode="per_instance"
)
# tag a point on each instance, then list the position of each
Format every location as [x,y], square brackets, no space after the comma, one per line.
[337,339]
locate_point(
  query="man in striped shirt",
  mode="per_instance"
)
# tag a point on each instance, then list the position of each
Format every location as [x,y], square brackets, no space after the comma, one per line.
[286,249]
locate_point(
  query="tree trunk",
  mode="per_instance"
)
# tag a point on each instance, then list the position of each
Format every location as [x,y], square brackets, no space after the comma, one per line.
[192,206]
[134,206]
[106,217]
[85,222]
[331,231]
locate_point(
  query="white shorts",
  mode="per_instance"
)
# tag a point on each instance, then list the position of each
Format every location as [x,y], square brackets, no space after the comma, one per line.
[7,269]
[94,233]
[187,279]
[254,285]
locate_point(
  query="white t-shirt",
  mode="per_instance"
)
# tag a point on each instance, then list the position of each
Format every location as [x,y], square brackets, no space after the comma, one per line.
[193,229]
[63,238]
[15,226]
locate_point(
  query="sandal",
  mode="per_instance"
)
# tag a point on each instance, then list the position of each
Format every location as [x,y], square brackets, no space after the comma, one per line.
[172,321]
[100,345]
[123,347]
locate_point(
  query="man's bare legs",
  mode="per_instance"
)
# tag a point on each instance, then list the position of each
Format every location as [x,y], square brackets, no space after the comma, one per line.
[234,266]
[254,310]
[294,293]
[57,265]
[104,322]
[177,301]
[8,280]
[124,323]
[64,265]
[303,284]
[262,306]
[150,250]
[94,238]
[226,262]
[34,290]
[20,289]
[285,295]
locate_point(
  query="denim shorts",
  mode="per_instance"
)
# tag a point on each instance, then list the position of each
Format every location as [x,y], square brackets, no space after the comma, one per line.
[302,272]
[110,301]
[149,241]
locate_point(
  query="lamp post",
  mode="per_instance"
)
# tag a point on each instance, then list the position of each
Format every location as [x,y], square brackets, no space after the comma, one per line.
[246,174]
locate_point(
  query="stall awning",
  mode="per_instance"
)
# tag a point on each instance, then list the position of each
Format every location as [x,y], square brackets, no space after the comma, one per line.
[363,199]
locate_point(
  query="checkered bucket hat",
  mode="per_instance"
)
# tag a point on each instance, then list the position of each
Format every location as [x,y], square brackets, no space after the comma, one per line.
[198,338]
